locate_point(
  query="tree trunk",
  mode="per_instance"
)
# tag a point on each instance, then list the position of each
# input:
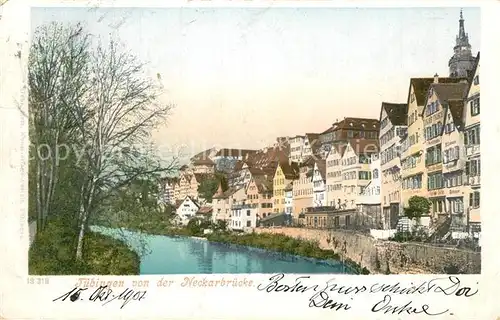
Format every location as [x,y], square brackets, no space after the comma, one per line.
[38,197]
[84,215]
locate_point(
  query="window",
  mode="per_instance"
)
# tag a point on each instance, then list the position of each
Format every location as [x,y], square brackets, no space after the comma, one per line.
[473,168]
[472,136]
[474,107]
[248,213]
[474,199]
[350,134]
[375,174]
[435,181]
[249,223]
[347,220]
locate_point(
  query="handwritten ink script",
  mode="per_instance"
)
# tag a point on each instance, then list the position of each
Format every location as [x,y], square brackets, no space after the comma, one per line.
[103,294]
[333,295]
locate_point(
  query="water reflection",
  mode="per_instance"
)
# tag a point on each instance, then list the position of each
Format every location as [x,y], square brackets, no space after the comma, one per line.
[184,255]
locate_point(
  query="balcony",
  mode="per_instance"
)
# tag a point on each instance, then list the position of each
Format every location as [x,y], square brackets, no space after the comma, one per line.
[472,150]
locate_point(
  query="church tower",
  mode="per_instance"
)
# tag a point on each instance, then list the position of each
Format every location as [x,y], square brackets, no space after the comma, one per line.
[462,61]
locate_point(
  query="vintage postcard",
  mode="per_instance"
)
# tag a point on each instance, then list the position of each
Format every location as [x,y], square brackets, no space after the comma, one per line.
[243,160]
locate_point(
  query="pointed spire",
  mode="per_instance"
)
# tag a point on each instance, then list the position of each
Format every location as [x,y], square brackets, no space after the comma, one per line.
[461,30]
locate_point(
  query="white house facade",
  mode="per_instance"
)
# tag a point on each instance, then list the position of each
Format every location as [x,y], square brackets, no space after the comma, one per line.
[243,217]
[319,184]
[186,210]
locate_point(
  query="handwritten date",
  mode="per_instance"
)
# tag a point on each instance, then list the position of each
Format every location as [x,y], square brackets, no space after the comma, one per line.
[104,294]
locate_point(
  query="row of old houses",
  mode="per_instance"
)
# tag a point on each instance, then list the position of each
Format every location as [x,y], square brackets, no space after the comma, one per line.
[361,172]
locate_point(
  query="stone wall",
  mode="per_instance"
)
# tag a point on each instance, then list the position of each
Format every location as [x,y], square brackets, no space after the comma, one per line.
[381,256]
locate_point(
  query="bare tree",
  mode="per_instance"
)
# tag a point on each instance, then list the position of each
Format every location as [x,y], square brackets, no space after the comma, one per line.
[57,81]
[124,107]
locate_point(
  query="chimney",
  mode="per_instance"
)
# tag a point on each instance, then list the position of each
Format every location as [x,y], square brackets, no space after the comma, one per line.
[436,78]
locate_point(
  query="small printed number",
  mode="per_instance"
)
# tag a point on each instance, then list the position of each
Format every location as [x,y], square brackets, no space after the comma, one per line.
[38,280]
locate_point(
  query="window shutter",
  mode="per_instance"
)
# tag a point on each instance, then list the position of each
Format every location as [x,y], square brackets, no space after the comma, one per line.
[471,200]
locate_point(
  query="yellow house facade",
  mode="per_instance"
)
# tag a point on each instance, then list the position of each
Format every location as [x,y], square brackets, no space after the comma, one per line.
[412,155]
[433,118]
[279,184]
[285,173]
[413,168]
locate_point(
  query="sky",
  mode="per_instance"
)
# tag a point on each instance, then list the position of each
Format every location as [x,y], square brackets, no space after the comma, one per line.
[240,77]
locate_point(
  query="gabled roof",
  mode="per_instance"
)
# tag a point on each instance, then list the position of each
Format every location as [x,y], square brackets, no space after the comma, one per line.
[396,112]
[456,108]
[263,183]
[340,148]
[321,167]
[473,71]
[364,146]
[177,205]
[448,91]
[229,192]
[421,86]
[290,169]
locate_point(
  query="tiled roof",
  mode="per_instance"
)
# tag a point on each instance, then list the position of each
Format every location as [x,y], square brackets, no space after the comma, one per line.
[264,183]
[272,216]
[205,210]
[269,157]
[229,192]
[396,112]
[421,86]
[456,107]
[474,69]
[321,167]
[450,91]
[340,148]
[290,169]
[178,203]
[357,124]
[362,146]
[312,137]
[235,153]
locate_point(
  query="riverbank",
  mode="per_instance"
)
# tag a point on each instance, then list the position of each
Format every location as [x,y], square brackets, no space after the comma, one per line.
[387,257]
[53,253]
[284,244]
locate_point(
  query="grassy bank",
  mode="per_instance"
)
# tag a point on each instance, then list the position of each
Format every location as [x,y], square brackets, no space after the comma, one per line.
[53,253]
[285,244]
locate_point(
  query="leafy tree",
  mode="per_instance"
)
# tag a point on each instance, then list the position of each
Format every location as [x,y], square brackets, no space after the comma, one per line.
[208,187]
[417,207]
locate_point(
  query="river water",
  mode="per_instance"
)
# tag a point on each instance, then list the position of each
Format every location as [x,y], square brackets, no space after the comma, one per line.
[187,255]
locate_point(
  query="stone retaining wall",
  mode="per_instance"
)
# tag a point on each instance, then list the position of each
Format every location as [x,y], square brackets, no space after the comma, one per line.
[381,256]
